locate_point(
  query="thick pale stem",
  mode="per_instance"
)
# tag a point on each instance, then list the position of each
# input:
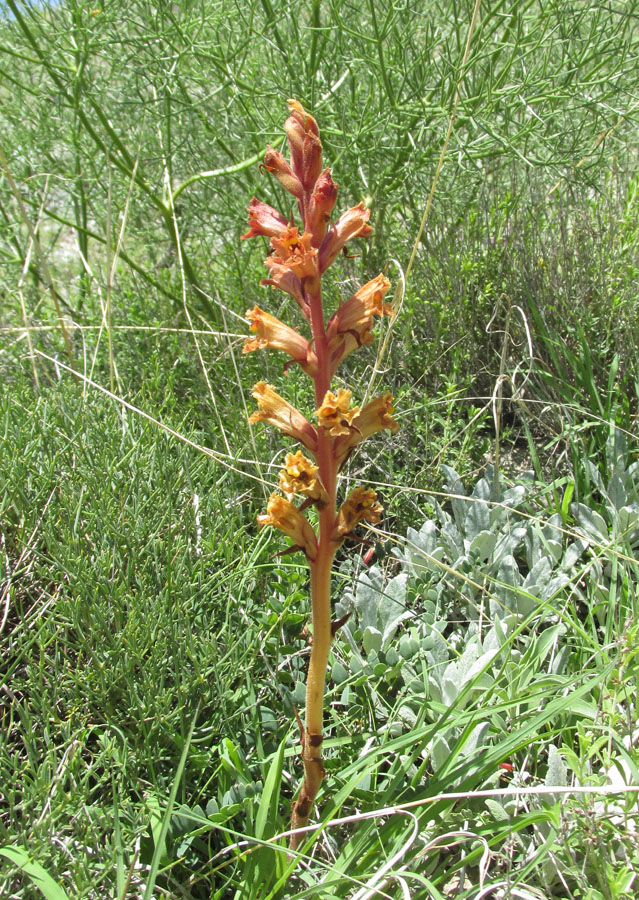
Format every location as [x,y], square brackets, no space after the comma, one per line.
[320,592]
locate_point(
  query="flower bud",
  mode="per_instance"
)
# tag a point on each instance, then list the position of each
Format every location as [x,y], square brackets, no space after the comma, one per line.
[306,147]
[275,163]
[320,207]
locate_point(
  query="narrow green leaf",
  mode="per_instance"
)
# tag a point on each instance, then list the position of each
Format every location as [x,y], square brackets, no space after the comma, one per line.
[38,875]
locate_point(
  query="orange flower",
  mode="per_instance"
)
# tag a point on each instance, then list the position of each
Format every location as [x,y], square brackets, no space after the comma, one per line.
[299,476]
[361,505]
[350,224]
[286,280]
[281,514]
[335,414]
[294,251]
[263,219]
[375,416]
[275,409]
[350,326]
[275,334]
[306,147]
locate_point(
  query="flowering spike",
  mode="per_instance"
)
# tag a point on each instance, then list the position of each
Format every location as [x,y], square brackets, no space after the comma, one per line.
[298,258]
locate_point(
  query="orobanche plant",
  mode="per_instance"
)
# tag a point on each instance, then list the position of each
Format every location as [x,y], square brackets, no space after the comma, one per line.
[300,255]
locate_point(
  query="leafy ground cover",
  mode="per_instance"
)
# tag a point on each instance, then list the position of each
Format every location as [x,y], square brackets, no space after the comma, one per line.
[482,705]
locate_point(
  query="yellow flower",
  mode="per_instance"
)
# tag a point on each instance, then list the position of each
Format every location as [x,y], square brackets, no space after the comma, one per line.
[299,476]
[276,410]
[275,334]
[281,514]
[361,505]
[375,416]
[350,326]
[335,414]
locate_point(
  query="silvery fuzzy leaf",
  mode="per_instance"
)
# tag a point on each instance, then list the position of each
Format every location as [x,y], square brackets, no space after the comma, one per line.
[476,738]
[481,491]
[477,518]
[434,690]
[590,522]
[455,485]
[450,690]
[483,545]
[421,548]
[628,523]
[438,653]
[595,474]
[369,591]
[392,607]
[508,542]
[440,752]
[538,577]
[556,775]
[555,585]
[617,492]
[479,665]
[508,578]
[371,639]
[451,540]
[407,646]
[616,449]
[514,495]
[406,714]
[466,660]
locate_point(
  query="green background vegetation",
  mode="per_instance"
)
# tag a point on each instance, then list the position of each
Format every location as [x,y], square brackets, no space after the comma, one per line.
[152,649]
